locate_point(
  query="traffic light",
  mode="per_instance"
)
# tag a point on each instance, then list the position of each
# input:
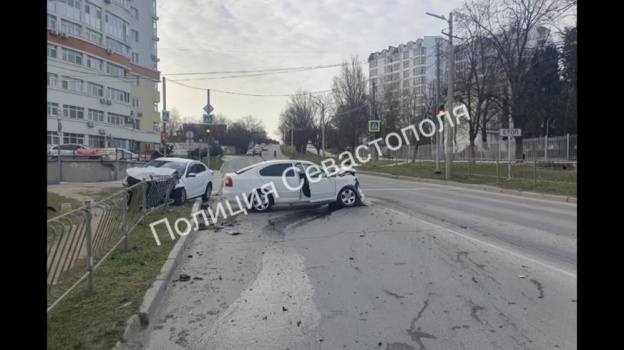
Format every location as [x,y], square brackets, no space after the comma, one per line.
[441,111]
[163,138]
[208,130]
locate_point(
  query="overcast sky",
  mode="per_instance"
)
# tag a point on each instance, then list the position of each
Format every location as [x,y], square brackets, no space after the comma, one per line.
[235,35]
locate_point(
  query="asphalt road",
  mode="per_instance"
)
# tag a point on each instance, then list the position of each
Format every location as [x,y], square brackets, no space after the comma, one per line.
[419,266]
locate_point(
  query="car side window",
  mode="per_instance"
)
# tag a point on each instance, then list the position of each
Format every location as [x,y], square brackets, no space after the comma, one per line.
[199,168]
[277,170]
[66,147]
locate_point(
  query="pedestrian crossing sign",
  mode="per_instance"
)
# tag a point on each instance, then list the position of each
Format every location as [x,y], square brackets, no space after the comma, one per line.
[374,126]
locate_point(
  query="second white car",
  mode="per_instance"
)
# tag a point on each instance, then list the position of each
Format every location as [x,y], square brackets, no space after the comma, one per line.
[294,187]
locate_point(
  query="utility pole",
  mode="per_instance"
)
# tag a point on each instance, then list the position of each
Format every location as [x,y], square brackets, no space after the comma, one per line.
[208,139]
[449,108]
[438,135]
[374,111]
[292,134]
[322,129]
[164,109]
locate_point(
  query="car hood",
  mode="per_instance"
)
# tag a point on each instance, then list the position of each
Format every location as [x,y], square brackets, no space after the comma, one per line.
[146,173]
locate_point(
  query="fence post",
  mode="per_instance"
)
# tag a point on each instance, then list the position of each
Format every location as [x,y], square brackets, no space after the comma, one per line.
[535,172]
[497,168]
[144,210]
[89,249]
[568,148]
[125,219]
[469,154]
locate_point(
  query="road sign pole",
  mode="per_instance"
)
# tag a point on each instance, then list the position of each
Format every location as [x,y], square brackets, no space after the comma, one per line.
[509,157]
[60,136]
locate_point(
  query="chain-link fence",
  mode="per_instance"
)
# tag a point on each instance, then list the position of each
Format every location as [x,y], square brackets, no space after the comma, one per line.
[79,241]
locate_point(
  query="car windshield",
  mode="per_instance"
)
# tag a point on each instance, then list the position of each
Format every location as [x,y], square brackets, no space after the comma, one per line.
[177,166]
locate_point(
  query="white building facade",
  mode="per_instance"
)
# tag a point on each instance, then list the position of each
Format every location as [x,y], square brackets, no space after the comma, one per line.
[103,73]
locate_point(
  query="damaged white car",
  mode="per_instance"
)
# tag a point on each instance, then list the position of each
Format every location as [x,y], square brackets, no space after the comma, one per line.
[194,179]
[295,182]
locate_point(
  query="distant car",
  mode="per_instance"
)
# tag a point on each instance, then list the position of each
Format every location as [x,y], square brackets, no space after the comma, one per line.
[67,150]
[123,154]
[251,152]
[194,178]
[342,188]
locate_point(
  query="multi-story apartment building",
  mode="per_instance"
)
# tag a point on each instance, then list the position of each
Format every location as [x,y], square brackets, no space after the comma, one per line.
[409,71]
[103,73]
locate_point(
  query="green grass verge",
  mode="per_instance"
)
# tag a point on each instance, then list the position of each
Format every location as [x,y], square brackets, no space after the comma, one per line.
[87,322]
[55,201]
[101,193]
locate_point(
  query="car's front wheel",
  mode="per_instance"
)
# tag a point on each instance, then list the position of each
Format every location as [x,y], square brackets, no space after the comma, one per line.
[347,197]
[179,196]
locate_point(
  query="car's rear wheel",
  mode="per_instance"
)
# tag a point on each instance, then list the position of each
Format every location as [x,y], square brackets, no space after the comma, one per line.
[208,192]
[262,202]
[179,196]
[348,197]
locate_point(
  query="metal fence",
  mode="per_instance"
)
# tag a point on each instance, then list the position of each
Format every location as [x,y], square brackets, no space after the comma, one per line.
[80,240]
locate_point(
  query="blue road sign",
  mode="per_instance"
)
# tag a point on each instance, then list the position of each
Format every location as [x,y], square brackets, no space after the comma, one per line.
[60,126]
[165,116]
[208,118]
[208,108]
[374,126]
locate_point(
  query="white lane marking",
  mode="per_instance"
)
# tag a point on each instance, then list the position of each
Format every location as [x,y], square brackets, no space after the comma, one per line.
[483,242]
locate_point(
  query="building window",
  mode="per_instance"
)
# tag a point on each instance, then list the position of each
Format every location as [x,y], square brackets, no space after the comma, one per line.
[94,37]
[93,15]
[135,102]
[388,69]
[117,46]
[154,7]
[406,83]
[135,36]
[116,119]
[396,66]
[71,8]
[95,89]
[72,84]
[52,79]
[154,48]
[95,115]
[396,76]
[155,106]
[137,124]
[96,141]
[51,51]
[155,86]
[71,28]
[156,127]
[122,3]
[51,22]
[94,63]
[52,109]
[135,58]
[420,70]
[53,138]
[405,55]
[118,95]
[373,63]
[73,138]
[137,80]
[72,56]
[154,27]
[73,112]
[117,27]
[406,64]
[115,70]
[406,74]
[134,12]
[373,72]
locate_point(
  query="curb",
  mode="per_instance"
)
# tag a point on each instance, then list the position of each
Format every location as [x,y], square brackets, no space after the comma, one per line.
[155,293]
[534,195]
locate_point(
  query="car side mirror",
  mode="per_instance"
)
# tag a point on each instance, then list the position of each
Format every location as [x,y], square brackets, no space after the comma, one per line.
[191,175]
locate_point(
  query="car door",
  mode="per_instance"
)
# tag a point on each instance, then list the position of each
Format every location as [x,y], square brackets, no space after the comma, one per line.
[192,181]
[273,173]
[322,187]
[203,176]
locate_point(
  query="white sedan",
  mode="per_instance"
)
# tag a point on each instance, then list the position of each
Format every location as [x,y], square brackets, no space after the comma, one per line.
[194,178]
[292,185]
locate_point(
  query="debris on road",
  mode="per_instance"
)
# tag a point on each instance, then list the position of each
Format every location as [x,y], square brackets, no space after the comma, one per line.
[284,309]
[190,256]
[232,233]
[522,276]
[184,278]
[198,278]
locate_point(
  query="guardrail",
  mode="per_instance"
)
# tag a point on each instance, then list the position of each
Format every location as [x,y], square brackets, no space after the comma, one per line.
[80,240]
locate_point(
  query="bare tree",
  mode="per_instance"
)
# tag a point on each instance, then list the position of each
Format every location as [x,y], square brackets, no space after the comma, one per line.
[510,25]
[352,111]
[300,115]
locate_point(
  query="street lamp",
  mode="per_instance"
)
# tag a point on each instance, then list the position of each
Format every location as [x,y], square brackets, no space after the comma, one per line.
[449,104]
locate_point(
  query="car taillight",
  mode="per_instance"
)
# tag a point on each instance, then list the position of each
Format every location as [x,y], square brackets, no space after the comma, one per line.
[228,181]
